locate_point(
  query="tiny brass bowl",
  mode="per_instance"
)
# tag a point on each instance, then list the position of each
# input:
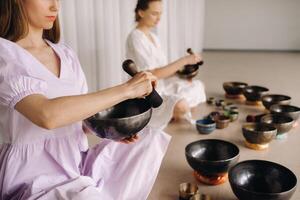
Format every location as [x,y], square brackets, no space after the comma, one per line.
[214,115]
[271,99]
[231,108]
[200,197]
[222,121]
[211,100]
[220,103]
[187,190]
[232,115]
[255,118]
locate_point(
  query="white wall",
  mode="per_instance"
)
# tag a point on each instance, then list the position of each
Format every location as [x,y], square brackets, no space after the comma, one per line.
[252,24]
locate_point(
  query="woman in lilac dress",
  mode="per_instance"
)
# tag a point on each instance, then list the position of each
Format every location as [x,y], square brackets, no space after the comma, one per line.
[43,99]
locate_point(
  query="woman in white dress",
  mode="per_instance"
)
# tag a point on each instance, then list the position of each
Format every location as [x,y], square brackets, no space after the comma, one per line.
[144,48]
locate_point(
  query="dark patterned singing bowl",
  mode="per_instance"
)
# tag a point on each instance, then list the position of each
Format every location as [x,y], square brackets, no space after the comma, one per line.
[254,93]
[287,110]
[282,123]
[234,88]
[262,180]
[259,133]
[271,99]
[122,120]
[211,157]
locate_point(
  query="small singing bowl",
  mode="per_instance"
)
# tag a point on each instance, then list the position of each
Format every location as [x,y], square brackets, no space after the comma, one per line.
[254,93]
[187,190]
[228,104]
[259,179]
[188,72]
[282,123]
[232,115]
[258,135]
[231,108]
[234,88]
[211,158]
[220,103]
[205,126]
[222,121]
[199,196]
[255,118]
[122,120]
[271,99]
[211,100]
[214,115]
[287,110]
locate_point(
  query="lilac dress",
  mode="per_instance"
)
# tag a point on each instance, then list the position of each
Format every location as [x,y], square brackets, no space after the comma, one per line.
[36,163]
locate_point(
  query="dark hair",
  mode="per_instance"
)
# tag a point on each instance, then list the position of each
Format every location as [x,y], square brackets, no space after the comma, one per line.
[142,5]
[14,22]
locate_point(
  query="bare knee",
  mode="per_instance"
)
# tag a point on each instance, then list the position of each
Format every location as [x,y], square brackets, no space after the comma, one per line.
[180,109]
[182,106]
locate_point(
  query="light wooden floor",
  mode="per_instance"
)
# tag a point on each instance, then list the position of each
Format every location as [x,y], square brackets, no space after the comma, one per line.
[280,72]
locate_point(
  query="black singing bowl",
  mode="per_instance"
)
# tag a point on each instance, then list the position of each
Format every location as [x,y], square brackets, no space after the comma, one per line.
[188,72]
[262,180]
[234,88]
[122,120]
[211,157]
[282,123]
[287,110]
[259,133]
[254,93]
[271,99]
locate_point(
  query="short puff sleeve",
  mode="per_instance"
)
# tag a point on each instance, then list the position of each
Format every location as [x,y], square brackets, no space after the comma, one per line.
[14,86]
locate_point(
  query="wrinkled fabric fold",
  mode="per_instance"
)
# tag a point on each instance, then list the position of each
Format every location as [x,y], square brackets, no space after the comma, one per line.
[110,170]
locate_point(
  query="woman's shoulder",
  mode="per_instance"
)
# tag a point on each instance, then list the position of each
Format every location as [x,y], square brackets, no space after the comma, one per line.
[135,34]
[8,50]
[10,57]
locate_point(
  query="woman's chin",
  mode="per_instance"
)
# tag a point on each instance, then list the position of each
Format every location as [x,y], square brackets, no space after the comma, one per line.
[48,26]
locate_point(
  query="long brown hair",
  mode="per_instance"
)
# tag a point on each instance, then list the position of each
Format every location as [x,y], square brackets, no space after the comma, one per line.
[142,5]
[14,22]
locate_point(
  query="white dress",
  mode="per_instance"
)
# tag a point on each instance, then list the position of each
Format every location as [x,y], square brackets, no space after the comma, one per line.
[149,56]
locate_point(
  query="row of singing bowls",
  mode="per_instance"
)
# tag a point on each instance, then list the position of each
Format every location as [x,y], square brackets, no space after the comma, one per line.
[211,157]
[122,120]
[234,88]
[262,180]
[256,93]
[271,99]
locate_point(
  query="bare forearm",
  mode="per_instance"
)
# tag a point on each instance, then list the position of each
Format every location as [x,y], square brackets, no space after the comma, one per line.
[61,111]
[169,70]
